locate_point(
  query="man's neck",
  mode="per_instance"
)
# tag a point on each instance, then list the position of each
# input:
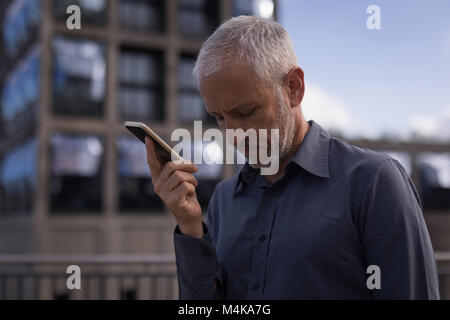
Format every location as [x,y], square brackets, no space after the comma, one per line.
[300,134]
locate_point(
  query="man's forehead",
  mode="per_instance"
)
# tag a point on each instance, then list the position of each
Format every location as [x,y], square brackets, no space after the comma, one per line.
[230,90]
[232,70]
[224,100]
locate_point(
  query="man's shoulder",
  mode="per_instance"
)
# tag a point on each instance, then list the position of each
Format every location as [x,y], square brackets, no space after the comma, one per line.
[348,157]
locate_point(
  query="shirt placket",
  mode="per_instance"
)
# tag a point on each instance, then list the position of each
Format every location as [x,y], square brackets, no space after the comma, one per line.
[263,224]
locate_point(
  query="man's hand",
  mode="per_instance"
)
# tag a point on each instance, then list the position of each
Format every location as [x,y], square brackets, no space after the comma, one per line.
[175,185]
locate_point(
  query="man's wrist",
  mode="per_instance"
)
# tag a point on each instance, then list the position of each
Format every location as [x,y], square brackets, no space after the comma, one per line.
[193,230]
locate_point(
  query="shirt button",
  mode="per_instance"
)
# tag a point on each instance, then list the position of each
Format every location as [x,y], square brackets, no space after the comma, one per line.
[262,238]
[206,253]
[255,286]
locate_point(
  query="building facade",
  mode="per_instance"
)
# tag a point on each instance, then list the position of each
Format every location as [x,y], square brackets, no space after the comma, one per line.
[73,179]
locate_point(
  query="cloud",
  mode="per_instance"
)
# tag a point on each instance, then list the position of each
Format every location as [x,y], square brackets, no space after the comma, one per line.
[328,111]
[332,114]
[431,127]
[424,126]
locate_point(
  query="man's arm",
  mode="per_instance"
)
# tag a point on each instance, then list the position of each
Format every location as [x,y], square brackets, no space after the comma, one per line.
[199,273]
[395,236]
[196,259]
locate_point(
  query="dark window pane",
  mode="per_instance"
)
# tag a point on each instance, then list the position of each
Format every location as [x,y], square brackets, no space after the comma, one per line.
[145,15]
[190,105]
[197,18]
[260,8]
[185,76]
[78,77]
[140,67]
[18,179]
[137,103]
[209,170]
[76,173]
[141,85]
[194,4]
[434,177]
[136,191]
[243,7]
[20,96]
[20,24]
[92,11]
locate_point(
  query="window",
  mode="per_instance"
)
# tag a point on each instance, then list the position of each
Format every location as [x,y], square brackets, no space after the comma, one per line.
[20,24]
[190,105]
[18,179]
[197,18]
[92,11]
[136,191]
[78,77]
[143,15]
[141,85]
[76,173]
[434,177]
[21,94]
[260,8]
[209,171]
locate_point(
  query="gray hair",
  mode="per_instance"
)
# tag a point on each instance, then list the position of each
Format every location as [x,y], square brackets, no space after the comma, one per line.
[262,44]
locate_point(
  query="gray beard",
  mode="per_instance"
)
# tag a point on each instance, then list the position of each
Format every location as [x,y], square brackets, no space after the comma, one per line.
[286,125]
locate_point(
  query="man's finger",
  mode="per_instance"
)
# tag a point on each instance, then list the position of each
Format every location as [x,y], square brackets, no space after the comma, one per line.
[183,190]
[177,178]
[152,159]
[170,167]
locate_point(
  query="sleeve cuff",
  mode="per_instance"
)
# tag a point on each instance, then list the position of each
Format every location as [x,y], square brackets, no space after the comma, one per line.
[195,256]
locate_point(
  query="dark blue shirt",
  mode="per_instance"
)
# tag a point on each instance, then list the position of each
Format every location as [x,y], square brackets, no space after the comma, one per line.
[338,209]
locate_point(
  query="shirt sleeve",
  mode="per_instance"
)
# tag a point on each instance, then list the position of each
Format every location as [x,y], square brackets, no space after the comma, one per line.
[395,236]
[199,273]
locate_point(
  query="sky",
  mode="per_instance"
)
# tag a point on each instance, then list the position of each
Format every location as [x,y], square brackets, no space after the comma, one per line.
[393,82]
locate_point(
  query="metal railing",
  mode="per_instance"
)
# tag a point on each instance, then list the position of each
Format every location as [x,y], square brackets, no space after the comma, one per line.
[135,277]
[33,277]
[443,262]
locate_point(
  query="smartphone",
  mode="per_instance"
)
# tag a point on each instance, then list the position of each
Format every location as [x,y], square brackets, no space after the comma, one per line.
[163,150]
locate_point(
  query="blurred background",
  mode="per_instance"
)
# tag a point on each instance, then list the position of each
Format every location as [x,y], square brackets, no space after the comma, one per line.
[74,184]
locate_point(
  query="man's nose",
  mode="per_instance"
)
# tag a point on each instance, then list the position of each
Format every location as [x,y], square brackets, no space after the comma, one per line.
[233,124]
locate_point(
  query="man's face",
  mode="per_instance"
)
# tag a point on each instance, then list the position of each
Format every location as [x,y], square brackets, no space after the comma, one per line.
[238,100]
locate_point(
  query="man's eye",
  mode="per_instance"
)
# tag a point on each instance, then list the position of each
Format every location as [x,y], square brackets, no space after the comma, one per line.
[245,114]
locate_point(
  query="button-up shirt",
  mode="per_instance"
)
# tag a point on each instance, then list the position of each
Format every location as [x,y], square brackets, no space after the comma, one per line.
[343,222]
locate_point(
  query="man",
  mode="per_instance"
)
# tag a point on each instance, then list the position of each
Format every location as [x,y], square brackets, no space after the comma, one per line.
[331,213]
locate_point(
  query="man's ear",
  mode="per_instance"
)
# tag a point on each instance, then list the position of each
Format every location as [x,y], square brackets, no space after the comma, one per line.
[296,86]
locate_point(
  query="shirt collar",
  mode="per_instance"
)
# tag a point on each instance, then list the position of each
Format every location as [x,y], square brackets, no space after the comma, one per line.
[312,156]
